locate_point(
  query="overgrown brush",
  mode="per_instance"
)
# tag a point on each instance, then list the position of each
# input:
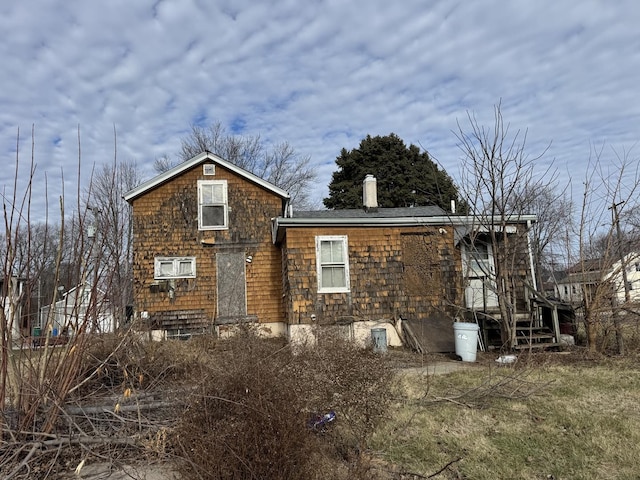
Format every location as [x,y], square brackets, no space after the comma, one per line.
[250,417]
[116,362]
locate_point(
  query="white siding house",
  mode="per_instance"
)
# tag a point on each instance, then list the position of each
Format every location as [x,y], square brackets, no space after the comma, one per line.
[594,277]
[631,274]
[80,309]
[12,305]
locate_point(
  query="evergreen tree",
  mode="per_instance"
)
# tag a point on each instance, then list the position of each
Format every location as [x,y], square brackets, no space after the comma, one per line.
[405,176]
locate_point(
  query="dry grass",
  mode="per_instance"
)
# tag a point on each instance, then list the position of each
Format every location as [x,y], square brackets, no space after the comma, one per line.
[550,416]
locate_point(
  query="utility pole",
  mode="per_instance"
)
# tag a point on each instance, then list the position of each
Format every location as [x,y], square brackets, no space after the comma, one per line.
[623,266]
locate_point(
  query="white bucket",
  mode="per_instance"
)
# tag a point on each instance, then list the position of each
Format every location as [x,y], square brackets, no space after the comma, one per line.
[466,335]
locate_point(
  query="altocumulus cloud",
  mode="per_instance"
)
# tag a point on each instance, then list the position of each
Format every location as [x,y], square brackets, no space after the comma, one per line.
[318,74]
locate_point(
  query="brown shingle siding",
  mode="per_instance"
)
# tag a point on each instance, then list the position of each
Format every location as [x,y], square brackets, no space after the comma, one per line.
[381,286]
[165,223]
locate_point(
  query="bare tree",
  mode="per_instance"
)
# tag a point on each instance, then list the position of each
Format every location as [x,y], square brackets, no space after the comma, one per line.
[36,251]
[608,199]
[110,232]
[30,385]
[244,151]
[553,209]
[279,164]
[497,181]
[39,371]
[162,164]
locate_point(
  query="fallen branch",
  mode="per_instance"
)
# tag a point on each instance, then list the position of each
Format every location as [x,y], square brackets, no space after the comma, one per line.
[112,408]
[511,387]
[444,468]
[433,475]
[59,442]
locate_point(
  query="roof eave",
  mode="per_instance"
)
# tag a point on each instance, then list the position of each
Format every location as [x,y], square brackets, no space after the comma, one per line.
[281,223]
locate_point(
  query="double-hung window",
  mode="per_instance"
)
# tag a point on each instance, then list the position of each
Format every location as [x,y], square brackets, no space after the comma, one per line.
[166,268]
[212,205]
[332,263]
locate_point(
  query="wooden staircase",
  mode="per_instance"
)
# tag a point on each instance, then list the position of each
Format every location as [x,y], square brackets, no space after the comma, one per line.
[532,333]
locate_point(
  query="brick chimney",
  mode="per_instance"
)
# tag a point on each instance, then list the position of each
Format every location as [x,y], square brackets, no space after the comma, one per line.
[369,192]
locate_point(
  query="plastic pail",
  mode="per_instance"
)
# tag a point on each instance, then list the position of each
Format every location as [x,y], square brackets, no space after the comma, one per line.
[379,339]
[466,335]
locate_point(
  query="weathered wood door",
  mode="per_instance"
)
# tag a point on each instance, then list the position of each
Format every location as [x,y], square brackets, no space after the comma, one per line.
[231,286]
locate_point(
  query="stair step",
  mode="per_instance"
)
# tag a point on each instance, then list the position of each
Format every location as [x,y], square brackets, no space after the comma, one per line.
[523,320]
[536,345]
[527,330]
[535,336]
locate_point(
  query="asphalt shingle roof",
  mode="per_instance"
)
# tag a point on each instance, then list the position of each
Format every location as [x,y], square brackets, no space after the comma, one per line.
[427,211]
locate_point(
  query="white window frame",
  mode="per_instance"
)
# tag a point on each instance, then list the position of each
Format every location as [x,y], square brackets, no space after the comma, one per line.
[344,263]
[175,262]
[223,203]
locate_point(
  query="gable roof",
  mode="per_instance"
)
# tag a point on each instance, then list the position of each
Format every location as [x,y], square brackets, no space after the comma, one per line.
[198,159]
[588,265]
[596,270]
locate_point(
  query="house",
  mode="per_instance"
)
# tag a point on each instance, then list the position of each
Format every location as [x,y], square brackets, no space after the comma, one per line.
[84,307]
[12,298]
[579,279]
[215,245]
[203,256]
[625,281]
[603,277]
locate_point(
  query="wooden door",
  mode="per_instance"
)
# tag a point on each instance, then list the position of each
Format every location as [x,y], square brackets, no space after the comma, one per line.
[231,286]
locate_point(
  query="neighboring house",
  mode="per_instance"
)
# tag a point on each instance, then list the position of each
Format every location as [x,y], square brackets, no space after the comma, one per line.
[579,279]
[81,308]
[215,245]
[550,280]
[631,275]
[601,277]
[12,298]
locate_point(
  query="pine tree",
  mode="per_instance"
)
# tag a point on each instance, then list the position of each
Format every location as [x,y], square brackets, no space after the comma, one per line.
[405,176]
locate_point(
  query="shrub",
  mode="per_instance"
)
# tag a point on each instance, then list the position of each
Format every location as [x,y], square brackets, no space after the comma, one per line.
[249,418]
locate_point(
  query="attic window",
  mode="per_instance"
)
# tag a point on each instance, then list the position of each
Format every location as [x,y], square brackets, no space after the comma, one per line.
[212,205]
[209,169]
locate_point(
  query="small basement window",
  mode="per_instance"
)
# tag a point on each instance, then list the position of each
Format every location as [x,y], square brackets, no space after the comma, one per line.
[174,267]
[332,263]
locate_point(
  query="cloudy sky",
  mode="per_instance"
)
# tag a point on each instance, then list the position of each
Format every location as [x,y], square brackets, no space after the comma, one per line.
[319,74]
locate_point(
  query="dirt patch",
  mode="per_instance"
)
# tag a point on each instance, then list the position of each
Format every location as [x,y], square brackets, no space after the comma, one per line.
[108,471]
